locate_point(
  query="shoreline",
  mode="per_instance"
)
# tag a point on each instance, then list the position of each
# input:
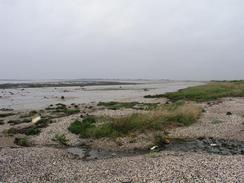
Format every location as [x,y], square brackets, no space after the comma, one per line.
[216,141]
[61,84]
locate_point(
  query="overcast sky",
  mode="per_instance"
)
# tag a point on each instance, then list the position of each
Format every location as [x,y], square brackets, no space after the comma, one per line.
[174,39]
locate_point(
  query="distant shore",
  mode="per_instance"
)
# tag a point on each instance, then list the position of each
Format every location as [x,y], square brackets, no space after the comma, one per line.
[61,84]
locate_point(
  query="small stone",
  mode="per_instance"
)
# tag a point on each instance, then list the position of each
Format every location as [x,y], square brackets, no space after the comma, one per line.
[228,113]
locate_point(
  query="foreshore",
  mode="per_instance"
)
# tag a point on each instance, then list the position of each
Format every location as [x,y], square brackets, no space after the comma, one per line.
[209,150]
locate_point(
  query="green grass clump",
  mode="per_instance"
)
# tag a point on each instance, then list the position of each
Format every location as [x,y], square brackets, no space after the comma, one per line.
[22,142]
[32,131]
[78,127]
[61,139]
[208,92]
[99,127]
[75,127]
[71,111]
[27,131]
[132,105]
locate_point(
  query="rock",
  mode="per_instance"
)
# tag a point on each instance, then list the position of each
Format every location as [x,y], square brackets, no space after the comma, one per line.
[213,145]
[228,113]
[153,148]
[62,97]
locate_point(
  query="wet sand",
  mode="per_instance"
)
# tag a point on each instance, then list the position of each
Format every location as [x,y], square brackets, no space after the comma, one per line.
[37,98]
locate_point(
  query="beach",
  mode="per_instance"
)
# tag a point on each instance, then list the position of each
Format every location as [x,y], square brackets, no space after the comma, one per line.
[210,150]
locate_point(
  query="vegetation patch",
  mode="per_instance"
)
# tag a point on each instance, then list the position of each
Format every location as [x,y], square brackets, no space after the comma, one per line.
[160,140]
[208,92]
[34,129]
[165,117]
[62,110]
[61,139]
[3,115]
[22,142]
[154,96]
[16,122]
[132,105]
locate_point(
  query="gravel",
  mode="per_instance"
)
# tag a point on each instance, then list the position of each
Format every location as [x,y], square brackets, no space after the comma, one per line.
[55,165]
[60,126]
[49,164]
[215,122]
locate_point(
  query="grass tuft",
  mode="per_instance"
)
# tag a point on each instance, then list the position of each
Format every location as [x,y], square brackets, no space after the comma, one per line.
[91,127]
[61,139]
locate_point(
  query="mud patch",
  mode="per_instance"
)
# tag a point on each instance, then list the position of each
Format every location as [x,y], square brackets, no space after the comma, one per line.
[206,145]
[209,145]
[86,153]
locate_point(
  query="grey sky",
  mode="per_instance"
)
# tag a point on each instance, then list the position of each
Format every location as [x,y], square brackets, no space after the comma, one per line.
[175,39]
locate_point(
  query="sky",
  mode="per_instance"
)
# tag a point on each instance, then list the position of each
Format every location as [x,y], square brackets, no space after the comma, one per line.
[126,39]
